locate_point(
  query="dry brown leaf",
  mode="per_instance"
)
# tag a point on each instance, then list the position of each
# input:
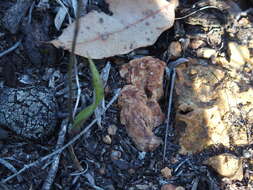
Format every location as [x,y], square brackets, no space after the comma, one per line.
[134,24]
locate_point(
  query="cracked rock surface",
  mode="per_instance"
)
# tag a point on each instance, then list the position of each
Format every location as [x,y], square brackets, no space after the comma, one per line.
[30,112]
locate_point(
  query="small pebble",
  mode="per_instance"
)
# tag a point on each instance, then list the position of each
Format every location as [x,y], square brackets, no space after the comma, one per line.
[102,171]
[131,171]
[115,155]
[193,71]
[107,139]
[166,172]
[112,129]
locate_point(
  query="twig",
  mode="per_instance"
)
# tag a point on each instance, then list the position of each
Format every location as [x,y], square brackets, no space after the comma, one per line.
[194,12]
[73,140]
[10,167]
[78,88]
[172,83]
[172,75]
[71,64]
[10,49]
[54,167]
[30,13]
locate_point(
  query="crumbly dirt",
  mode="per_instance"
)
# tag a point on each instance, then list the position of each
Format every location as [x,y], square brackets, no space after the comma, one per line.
[113,161]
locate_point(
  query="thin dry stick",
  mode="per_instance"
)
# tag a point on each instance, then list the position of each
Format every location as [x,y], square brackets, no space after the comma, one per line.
[54,167]
[172,73]
[70,72]
[73,140]
[78,89]
[194,12]
[10,49]
[71,64]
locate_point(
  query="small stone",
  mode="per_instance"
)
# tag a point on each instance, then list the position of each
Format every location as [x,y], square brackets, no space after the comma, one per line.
[131,171]
[112,129]
[175,50]
[102,171]
[107,139]
[227,165]
[193,71]
[206,53]
[166,172]
[115,155]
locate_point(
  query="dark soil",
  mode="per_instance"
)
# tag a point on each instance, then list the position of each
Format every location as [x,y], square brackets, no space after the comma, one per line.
[36,63]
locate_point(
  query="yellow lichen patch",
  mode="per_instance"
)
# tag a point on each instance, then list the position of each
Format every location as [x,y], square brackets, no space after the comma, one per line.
[214,106]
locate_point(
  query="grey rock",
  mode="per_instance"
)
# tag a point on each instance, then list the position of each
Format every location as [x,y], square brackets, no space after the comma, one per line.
[30,112]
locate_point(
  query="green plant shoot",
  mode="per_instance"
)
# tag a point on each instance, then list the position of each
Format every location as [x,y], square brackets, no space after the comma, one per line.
[98,96]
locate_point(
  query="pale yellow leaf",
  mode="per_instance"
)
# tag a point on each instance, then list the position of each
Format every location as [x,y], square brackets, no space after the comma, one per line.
[134,24]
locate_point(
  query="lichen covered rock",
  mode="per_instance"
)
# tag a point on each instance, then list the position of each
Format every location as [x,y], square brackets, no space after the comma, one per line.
[214,106]
[30,112]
